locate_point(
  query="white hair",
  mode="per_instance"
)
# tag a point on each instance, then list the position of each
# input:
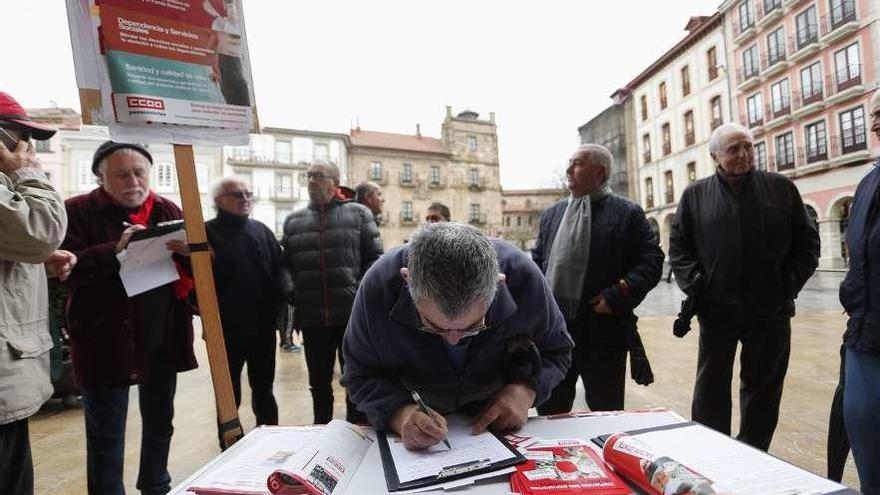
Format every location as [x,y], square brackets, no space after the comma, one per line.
[599,155]
[101,169]
[220,184]
[722,130]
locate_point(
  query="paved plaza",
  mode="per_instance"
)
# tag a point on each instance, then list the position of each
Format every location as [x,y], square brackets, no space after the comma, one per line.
[58,435]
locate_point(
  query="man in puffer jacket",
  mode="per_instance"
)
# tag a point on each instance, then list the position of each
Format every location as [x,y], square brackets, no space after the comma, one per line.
[328,246]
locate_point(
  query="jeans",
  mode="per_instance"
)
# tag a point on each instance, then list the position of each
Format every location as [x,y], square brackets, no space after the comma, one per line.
[861,401]
[16,463]
[105,414]
[766,345]
[322,345]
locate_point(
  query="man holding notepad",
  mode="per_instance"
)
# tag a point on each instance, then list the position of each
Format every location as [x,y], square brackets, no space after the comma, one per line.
[465,321]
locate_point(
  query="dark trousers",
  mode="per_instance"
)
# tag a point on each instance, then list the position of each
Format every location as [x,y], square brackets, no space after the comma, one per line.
[603,371]
[766,346]
[258,352]
[322,346]
[106,410]
[837,448]
[16,463]
[861,401]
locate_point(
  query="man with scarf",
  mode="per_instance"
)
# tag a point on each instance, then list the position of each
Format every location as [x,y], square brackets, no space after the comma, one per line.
[118,341]
[742,246]
[328,247]
[250,292]
[600,258]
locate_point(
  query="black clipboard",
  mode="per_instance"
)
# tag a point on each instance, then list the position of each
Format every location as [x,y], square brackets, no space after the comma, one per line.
[449,473]
[159,230]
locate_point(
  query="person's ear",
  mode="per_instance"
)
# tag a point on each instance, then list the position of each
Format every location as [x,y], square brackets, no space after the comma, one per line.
[404,272]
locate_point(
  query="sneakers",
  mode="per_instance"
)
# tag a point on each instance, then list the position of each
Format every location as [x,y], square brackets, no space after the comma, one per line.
[291,347]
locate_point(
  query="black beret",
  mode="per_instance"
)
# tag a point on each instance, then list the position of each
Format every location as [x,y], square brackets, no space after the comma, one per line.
[109,147]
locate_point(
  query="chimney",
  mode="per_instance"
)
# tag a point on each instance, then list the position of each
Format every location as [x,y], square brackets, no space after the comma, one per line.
[448,111]
[492,117]
[418,130]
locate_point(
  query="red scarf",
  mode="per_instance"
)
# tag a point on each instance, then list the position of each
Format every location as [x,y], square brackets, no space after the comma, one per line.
[142,217]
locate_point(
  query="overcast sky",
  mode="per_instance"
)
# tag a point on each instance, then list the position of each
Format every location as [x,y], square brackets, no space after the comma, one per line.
[544,68]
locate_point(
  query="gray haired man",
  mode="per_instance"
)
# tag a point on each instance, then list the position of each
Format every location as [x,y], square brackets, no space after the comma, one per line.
[465,320]
[601,259]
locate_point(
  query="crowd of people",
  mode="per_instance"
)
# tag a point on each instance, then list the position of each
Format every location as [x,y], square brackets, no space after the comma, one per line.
[469,322]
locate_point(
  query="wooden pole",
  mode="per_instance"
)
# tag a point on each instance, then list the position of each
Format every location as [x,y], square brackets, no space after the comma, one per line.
[227,412]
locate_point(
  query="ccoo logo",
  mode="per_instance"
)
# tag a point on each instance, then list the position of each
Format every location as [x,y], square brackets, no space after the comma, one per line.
[141,102]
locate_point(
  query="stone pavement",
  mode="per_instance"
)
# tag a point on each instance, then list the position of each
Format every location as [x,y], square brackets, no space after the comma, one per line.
[58,436]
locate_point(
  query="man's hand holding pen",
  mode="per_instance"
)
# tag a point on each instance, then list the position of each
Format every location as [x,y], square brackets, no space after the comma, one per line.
[417,428]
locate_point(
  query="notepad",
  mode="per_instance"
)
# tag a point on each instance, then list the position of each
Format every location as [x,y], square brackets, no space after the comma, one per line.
[470,455]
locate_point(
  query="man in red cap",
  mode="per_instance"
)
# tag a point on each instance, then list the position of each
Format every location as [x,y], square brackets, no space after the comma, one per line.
[119,341]
[32,225]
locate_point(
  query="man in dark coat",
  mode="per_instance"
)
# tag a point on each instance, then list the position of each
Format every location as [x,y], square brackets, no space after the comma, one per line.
[464,320]
[328,248]
[118,341]
[600,258]
[742,245]
[248,277]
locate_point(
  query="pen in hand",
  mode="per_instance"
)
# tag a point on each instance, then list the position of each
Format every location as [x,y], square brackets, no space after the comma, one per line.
[424,409]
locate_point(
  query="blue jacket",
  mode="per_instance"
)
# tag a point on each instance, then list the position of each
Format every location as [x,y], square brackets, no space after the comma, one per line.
[386,356]
[622,246]
[860,290]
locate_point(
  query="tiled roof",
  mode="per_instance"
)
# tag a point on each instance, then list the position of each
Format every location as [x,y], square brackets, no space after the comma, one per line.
[391,141]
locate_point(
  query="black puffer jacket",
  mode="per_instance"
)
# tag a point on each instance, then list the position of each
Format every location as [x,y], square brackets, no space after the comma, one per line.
[743,255]
[327,250]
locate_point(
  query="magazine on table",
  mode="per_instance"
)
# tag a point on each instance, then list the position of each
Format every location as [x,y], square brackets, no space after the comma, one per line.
[689,458]
[565,467]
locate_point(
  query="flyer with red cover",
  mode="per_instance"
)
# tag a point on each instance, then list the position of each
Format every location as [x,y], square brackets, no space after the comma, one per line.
[565,467]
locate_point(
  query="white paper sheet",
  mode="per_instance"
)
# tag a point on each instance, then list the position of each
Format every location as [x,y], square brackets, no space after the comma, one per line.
[147,264]
[247,471]
[416,464]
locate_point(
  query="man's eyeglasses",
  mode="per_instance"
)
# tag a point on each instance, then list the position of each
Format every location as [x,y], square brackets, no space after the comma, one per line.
[317,176]
[433,218]
[239,194]
[428,327]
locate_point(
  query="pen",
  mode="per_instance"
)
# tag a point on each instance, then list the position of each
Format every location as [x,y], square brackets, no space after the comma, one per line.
[424,408]
[127,225]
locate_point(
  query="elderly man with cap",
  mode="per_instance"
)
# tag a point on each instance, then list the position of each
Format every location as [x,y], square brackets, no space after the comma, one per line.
[32,223]
[119,341]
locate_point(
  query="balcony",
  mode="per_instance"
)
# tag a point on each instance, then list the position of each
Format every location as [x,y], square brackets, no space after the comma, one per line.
[713,74]
[477,183]
[379,177]
[477,219]
[407,218]
[690,138]
[280,194]
[667,148]
[804,43]
[406,179]
[748,76]
[778,113]
[850,143]
[754,121]
[742,31]
[845,83]
[768,11]
[781,164]
[774,62]
[814,153]
[790,3]
[840,22]
[646,157]
[249,156]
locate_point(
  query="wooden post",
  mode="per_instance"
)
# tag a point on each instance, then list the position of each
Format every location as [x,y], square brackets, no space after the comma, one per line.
[227,412]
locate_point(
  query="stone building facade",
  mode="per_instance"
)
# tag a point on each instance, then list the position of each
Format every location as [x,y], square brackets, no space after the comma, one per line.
[609,129]
[804,74]
[460,170]
[522,209]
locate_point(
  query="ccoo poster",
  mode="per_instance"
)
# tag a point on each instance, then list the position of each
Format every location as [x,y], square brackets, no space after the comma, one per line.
[182,64]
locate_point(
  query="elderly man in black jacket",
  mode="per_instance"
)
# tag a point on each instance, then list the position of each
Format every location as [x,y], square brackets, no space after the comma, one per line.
[600,258]
[743,246]
[328,246]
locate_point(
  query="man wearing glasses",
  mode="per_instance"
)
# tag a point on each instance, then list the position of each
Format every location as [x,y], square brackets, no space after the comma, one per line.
[464,320]
[328,248]
[250,293]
